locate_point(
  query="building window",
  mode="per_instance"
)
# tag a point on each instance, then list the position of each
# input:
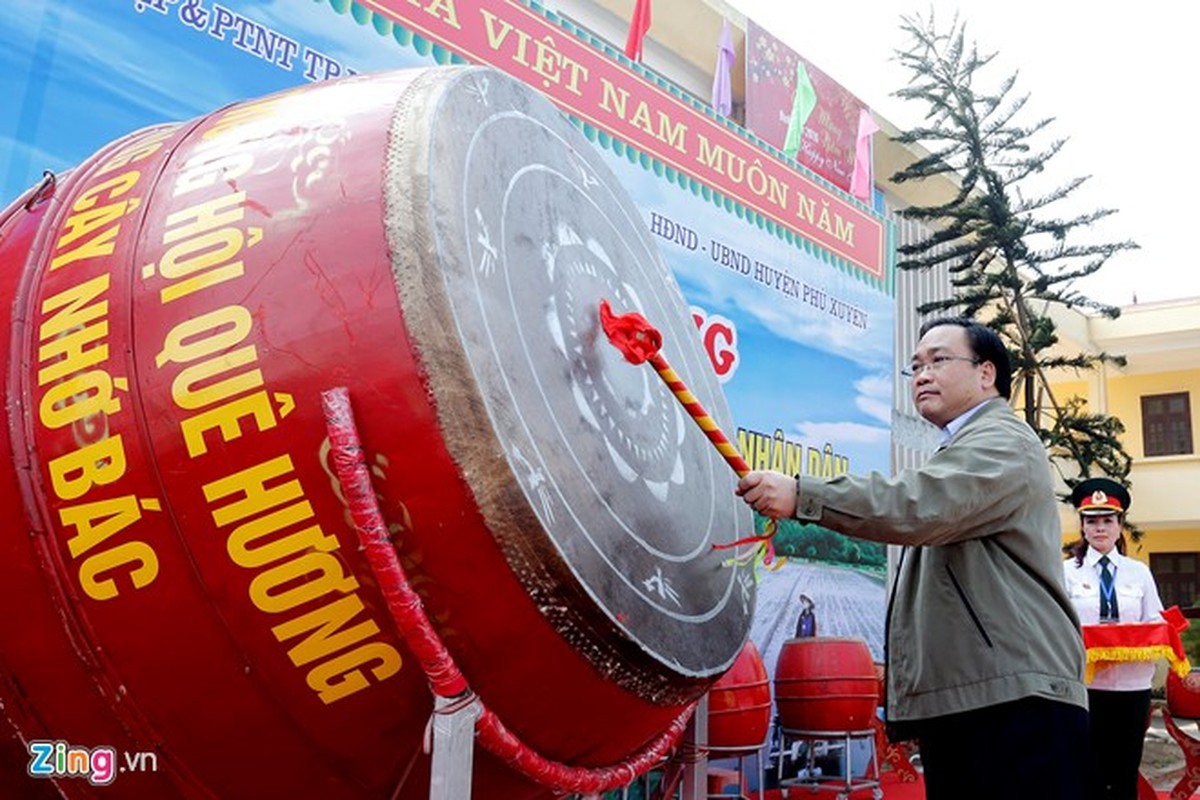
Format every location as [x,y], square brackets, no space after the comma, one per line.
[1166,424]
[1175,574]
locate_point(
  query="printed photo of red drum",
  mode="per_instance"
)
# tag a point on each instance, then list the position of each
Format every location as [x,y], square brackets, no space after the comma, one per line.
[182,584]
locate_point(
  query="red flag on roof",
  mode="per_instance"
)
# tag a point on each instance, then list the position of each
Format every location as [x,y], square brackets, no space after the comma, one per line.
[639,23]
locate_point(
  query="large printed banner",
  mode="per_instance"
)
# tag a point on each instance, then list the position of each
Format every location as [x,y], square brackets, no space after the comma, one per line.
[789,280]
[828,144]
[605,92]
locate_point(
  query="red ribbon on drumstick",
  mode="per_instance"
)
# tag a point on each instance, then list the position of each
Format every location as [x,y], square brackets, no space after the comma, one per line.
[640,342]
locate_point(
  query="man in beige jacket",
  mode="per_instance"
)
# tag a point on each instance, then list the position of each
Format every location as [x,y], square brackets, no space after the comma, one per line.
[984,655]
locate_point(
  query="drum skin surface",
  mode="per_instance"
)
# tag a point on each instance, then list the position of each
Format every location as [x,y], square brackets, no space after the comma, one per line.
[189,583]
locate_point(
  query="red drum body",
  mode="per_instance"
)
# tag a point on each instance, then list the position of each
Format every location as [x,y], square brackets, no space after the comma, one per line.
[1183,694]
[826,684]
[739,705]
[179,573]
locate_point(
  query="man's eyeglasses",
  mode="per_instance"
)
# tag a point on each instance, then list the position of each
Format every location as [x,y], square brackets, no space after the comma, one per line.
[936,364]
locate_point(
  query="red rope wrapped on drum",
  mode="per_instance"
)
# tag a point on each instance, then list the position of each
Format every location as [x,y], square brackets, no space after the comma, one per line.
[402,600]
[413,623]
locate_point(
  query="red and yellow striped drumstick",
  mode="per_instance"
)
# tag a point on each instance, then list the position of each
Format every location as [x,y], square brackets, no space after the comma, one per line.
[639,342]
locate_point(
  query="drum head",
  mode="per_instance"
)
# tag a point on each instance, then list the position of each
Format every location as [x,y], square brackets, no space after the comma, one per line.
[507,230]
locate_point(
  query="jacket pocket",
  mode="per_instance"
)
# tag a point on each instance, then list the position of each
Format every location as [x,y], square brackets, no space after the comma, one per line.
[1081,589]
[1129,591]
[967,605]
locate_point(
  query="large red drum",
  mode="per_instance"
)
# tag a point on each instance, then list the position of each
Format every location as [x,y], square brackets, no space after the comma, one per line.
[826,684]
[739,705]
[181,585]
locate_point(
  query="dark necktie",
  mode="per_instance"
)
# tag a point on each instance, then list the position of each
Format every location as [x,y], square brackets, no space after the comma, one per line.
[1108,594]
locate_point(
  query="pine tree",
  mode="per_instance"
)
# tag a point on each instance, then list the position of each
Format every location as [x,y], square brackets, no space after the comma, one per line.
[1009,259]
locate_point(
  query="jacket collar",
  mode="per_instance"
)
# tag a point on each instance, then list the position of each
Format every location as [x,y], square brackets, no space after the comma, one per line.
[952,429]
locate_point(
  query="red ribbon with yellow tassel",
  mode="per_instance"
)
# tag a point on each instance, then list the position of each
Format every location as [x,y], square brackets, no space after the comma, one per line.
[1137,641]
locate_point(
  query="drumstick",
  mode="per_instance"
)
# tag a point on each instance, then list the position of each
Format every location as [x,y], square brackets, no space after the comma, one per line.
[639,342]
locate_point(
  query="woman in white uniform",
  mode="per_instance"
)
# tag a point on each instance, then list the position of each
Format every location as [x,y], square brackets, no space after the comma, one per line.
[1106,586]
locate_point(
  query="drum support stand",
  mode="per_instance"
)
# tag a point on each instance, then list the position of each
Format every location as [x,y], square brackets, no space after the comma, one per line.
[846,786]
[453,747]
[695,745]
[685,774]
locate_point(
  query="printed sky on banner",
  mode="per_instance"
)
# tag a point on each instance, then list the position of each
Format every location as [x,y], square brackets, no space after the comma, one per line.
[90,89]
[806,332]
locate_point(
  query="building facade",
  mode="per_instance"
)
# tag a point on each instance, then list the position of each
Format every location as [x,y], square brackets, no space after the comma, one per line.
[1155,397]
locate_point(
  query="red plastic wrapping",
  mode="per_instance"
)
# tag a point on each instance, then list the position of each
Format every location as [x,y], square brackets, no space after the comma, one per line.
[409,615]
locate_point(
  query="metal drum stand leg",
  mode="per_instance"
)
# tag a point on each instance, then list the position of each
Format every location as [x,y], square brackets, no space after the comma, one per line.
[850,784]
[741,753]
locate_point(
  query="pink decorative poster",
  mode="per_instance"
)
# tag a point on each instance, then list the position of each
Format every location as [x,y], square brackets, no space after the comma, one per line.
[827,147]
